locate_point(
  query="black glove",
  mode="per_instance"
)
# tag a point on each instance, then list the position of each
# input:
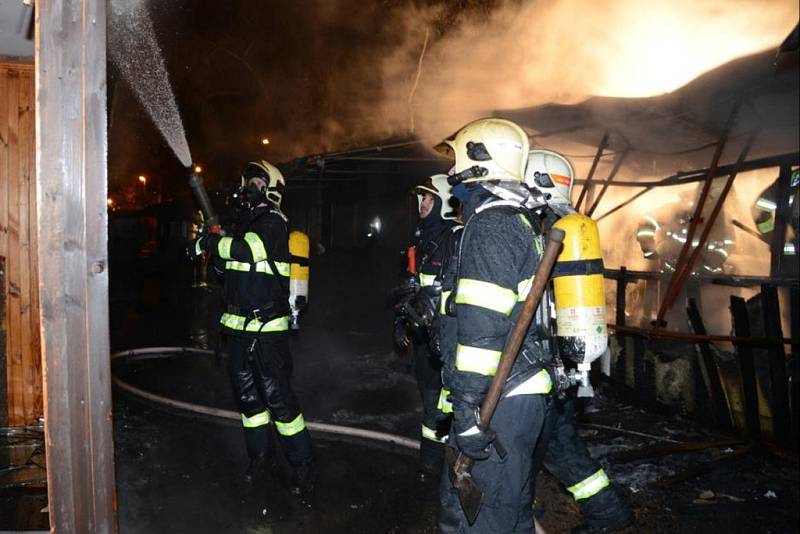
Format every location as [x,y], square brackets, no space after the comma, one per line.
[408,286]
[470,439]
[192,249]
[476,445]
[402,340]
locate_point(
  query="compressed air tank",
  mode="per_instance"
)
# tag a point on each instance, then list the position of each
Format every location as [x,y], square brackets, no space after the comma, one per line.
[580,292]
[298,271]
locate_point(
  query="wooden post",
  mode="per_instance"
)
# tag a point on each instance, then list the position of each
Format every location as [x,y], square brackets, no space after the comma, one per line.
[777,365]
[71,143]
[714,385]
[782,215]
[741,328]
[794,304]
[3,356]
[622,283]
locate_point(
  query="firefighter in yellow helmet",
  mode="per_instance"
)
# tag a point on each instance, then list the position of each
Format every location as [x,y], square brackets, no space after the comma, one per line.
[764,212]
[566,457]
[255,321]
[483,292]
[431,245]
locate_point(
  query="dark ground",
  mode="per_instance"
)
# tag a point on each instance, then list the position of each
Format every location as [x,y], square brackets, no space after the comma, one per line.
[181,473]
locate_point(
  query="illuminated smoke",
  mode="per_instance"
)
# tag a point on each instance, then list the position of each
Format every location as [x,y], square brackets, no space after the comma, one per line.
[563,51]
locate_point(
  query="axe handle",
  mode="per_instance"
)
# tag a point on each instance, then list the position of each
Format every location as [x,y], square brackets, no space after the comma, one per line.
[554,239]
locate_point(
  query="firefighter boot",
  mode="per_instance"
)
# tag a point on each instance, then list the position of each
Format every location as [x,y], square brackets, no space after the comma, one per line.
[256,469]
[604,512]
[301,481]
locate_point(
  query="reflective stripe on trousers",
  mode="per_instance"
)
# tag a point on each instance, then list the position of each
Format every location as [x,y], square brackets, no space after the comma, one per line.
[293,427]
[237,322]
[257,420]
[589,486]
[429,433]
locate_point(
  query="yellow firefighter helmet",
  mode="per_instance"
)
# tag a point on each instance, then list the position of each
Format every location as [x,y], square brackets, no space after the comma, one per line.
[496,148]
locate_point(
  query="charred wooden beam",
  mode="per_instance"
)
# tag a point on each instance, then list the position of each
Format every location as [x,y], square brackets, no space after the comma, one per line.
[741,327]
[622,284]
[658,333]
[722,280]
[682,274]
[617,165]
[71,198]
[700,175]
[600,148]
[709,364]
[777,366]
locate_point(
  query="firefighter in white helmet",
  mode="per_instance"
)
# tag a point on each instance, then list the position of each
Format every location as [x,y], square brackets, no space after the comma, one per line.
[256,266]
[483,291]
[566,456]
[431,244]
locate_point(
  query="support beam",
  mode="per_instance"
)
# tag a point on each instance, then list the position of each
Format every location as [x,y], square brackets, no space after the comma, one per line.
[741,328]
[708,364]
[779,387]
[600,148]
[684,267]
[71,147]
[617,164]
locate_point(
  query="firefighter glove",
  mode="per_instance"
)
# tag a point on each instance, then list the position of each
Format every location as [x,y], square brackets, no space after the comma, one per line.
[195,248]
[476,443]
[402,340]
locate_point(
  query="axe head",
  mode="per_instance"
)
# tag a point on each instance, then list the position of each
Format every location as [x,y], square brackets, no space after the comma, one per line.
[469,494]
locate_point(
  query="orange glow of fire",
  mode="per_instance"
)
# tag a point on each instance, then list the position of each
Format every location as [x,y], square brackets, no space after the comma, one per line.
[661,46]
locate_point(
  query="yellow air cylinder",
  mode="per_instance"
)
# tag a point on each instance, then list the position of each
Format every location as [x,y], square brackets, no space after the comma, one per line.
[299,249]
[579,292]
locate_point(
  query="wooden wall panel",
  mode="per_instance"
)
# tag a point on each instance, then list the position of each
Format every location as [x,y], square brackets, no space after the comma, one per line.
[18,244]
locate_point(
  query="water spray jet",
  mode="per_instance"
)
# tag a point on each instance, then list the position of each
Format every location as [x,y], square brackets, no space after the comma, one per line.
[135,51]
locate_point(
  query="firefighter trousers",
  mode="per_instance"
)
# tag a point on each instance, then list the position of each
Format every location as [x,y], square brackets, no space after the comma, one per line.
[435,425]
[506,483]
[568,460]
[261,371]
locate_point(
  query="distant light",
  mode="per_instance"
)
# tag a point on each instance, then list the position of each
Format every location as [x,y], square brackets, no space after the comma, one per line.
[198,169]
[110,202]
[265,141]
[142,178]
[376,224]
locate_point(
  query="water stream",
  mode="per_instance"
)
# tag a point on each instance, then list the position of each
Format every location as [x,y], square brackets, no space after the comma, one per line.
[135,51]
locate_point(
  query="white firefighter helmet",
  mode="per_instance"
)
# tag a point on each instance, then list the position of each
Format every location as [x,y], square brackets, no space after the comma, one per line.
[437,185]
[272,177]
[498,147]
[552,174]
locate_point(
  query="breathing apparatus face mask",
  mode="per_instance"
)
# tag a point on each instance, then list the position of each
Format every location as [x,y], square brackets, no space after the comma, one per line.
[251,196]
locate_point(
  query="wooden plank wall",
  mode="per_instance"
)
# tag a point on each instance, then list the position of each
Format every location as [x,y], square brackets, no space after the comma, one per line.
[23,370]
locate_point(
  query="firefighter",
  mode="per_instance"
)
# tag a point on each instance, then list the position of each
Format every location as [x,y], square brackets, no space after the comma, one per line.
[566,456]
[430,243]
[483,292]
[255,268]
[764,210]
[662,234]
